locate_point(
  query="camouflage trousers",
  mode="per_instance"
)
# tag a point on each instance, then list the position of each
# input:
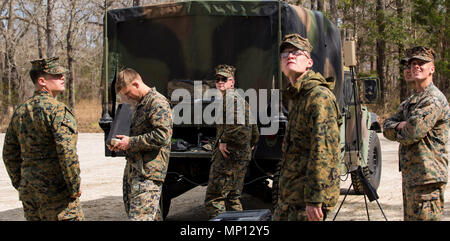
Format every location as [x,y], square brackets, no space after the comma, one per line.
[38,207]
[225,184]
[141,197]
[289,212]
[423,202]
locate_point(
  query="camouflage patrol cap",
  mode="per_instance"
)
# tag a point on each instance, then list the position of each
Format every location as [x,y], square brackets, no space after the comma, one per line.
[422,53]
[297,41]
[49,66]
[225,70]
[405,60]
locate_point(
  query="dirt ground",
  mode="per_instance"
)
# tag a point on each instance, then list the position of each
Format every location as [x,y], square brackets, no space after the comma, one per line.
[102,190]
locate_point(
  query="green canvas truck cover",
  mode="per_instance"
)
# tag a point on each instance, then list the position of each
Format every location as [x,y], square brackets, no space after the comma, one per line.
[183,42]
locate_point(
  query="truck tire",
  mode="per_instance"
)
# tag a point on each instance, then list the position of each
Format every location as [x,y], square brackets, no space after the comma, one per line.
[373,169]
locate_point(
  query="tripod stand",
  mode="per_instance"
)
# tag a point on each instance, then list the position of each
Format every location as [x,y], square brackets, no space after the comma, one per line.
[369,191]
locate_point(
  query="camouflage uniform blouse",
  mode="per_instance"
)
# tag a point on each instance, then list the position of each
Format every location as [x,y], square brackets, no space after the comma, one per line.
[310,170]
[150,135]
[422,151]
[40,149]
[240,137]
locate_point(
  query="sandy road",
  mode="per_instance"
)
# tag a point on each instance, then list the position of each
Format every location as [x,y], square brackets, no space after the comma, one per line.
[102,189]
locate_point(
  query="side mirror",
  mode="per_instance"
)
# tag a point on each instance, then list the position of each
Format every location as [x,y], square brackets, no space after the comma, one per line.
[371,90]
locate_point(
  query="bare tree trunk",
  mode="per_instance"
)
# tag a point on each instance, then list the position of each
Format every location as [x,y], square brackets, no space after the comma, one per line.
[401,50]
[355,18]
[70,59]
[321,5]
[381,49]
[334,11]
[14,79]
[313,4]
[11,77]
[8,48]
[39,40]
[299,3]
[443,41]
[50,29]
[2,85]
[361,54]
[373,66]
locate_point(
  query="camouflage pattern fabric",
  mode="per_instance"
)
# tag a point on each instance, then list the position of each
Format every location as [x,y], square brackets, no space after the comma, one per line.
[422,53]
[66,209]
[408,54]
[297,41]
[49,66]
[150,135]
[418,52]
[211,40]
[142,200]
[41,158]
[226,177]
[422,151]
[240,137]
[148,155]
[225,184]
[423,202]
[286,212]
[310,169]
[148,204]
[225,70]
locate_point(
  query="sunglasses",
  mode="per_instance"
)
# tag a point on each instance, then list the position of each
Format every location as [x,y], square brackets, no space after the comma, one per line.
[221,79]
[55,76]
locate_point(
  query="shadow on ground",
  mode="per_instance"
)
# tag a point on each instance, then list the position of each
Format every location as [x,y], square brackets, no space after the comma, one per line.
[111,209]
[105,209]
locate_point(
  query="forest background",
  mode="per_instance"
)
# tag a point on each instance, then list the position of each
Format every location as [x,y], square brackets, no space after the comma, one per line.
[73,30]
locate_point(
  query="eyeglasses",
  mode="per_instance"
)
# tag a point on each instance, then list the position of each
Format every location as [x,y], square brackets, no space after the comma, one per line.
[296,52]
[221,79]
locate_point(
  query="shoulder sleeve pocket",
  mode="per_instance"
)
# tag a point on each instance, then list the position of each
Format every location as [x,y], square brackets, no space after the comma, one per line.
[69,121]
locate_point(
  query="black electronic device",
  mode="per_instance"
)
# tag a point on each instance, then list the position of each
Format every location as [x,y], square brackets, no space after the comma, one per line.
[246,215]
[121,124]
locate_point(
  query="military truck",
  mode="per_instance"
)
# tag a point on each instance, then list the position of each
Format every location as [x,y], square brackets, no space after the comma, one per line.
[177,45]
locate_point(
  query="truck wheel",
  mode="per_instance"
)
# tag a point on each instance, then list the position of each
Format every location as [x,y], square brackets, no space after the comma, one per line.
[373,169]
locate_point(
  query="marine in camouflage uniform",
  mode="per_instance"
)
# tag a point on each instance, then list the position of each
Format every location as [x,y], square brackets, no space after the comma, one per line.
[404,62]
[229,166]
[309,181]
[40,152]
[147,147]
[406,80]
[421,127]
